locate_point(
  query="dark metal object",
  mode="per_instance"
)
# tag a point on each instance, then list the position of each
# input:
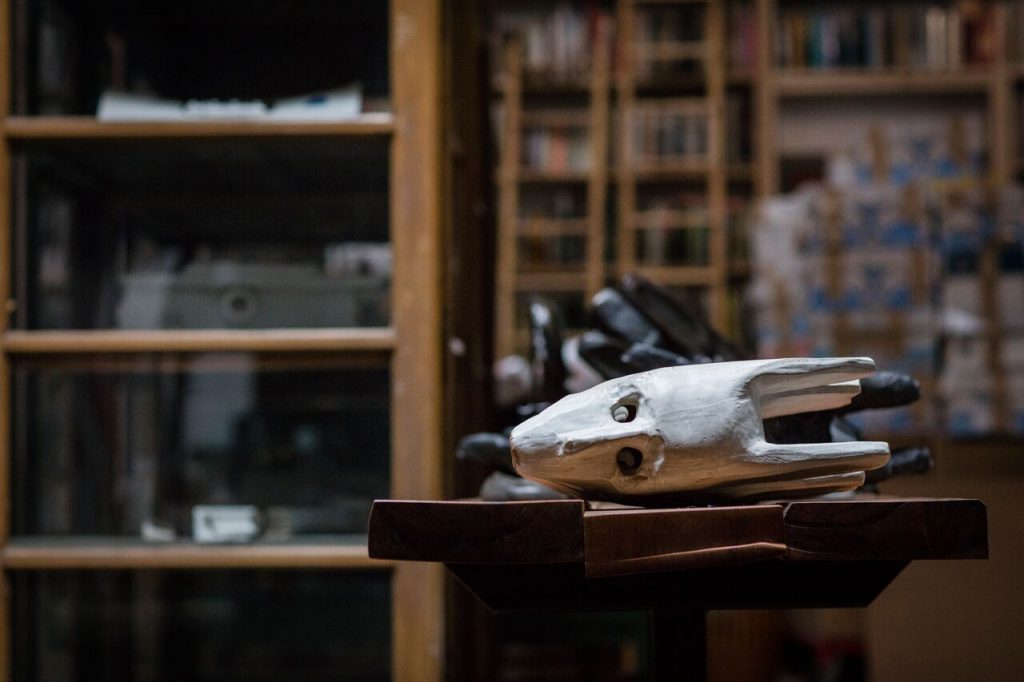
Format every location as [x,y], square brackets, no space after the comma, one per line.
[614,315]
[905,461]
[885,389]
[604,354]
[685,331]
[546,333]
[502,487]
[491,450]
[613,358]
[640,326]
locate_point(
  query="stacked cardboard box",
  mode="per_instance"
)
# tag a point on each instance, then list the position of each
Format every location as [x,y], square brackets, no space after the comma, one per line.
[908,258]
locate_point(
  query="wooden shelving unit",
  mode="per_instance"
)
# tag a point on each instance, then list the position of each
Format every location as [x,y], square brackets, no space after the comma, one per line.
[775,84]
[410,348]
[199,341]
[660,84]
[991,81]
[88,128]
[857,82]
[44,554]
[515,277]
[641,57]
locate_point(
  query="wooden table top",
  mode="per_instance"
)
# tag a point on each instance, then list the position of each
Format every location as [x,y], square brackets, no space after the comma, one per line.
[564,555]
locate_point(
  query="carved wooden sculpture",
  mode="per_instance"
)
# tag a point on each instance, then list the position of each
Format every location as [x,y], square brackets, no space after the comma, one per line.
[695,434]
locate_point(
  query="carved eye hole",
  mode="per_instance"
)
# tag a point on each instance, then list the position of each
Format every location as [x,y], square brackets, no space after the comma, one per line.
[625,410]
[629,460]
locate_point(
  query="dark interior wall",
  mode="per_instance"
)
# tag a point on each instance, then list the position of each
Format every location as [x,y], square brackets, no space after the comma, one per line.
[469,251]
[959,620]
[468,225]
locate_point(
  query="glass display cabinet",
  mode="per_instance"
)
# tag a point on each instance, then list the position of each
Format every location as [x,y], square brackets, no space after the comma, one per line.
[220,238]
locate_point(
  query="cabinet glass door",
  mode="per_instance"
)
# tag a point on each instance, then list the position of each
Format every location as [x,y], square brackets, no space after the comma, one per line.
[130,446]
[202,625]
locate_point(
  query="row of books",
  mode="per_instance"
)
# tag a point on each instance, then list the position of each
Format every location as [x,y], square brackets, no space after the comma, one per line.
[669,23]
[557,42]
[687,248]
[537,253]
[556,150]
[931,36]
[674,228]
[670,132]
[669,41]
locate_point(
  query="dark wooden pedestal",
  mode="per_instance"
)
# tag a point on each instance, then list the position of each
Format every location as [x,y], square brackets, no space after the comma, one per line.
[678,563]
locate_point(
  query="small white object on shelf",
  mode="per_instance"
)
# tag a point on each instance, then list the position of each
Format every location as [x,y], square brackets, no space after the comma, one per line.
[216,523]
[341,104]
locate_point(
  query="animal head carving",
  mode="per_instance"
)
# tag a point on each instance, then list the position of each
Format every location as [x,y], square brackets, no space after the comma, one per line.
[696,432]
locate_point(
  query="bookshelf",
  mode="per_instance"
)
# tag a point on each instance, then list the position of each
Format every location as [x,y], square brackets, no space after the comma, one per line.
[676,238]
[669,174]
[893,50]
[952,58]
[74,356]
[553,175]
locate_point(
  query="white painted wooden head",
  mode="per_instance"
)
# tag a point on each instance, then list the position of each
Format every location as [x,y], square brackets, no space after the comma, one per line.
[697,431]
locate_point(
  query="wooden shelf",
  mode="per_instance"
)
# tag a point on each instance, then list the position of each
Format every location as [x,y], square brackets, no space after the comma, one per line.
[694,171]
[553,227]
[88,128]
[551,118]
[698,170]
[850,82]
[667,219]
[539,84]
[199,340]
[553,280]
[678,275]
[549,176]
[338,552]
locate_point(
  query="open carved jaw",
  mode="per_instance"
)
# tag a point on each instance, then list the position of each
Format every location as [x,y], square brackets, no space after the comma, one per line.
[696,433]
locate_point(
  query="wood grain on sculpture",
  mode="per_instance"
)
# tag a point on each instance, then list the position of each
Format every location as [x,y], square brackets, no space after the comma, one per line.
[695,434]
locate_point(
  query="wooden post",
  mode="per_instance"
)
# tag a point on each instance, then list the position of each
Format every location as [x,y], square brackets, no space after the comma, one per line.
[597,184]
[1003,140]
[508,202]
[717,182]
[766,107]
[624,77]
[5,366]
[416,372]
[1002,132]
